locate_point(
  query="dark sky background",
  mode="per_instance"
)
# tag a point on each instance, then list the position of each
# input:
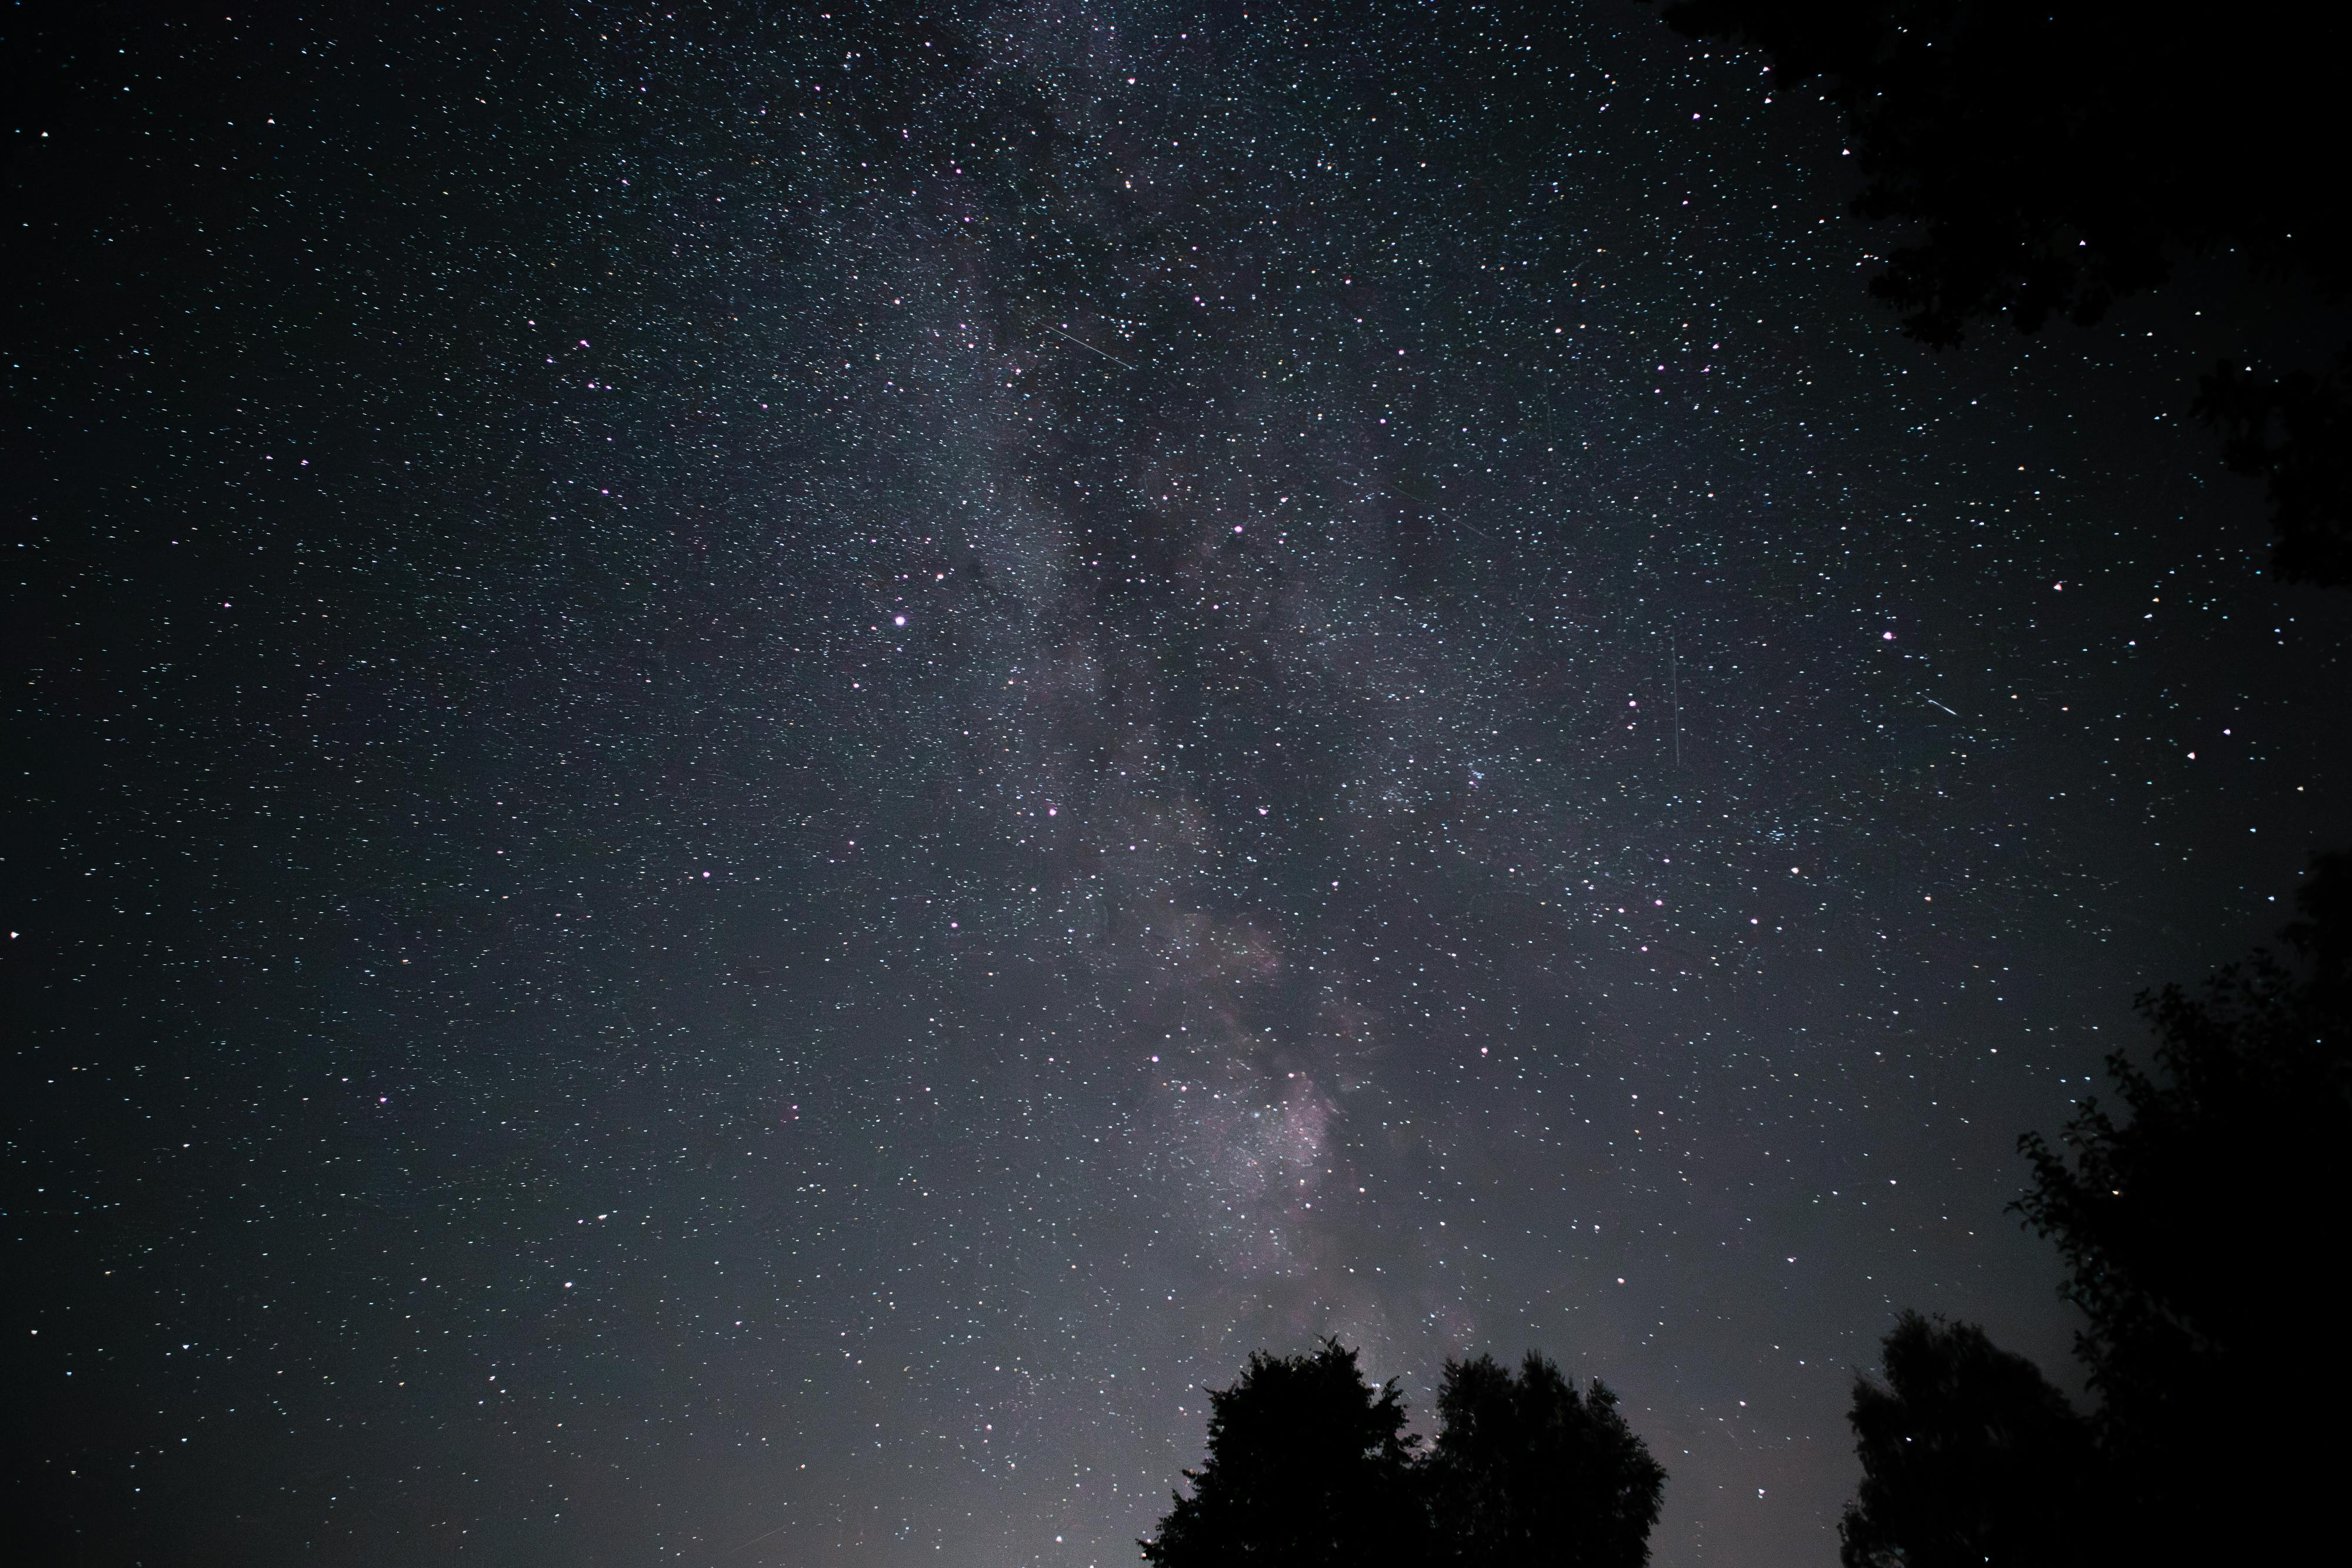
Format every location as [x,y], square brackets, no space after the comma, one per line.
[772,765]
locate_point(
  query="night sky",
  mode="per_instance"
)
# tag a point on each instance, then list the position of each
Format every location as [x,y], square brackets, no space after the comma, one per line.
[772,765]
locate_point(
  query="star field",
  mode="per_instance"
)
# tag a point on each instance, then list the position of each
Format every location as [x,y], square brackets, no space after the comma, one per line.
[777,762]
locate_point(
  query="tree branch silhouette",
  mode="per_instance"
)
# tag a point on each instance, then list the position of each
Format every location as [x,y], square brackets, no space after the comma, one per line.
[2049,160]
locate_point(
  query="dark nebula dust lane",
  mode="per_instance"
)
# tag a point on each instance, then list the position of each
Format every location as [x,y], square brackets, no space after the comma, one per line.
[778,761]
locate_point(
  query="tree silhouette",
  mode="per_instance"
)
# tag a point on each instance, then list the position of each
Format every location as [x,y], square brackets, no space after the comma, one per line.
[2292,433]
[1526,1471]
[2196,1230]
[1308,1467]
[1968,1456]
[2199,1233]
[2050,159]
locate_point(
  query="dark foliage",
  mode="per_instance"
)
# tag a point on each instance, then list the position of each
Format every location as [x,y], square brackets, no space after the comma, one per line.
[1527,1471]
[1968,1456]
[2294,432]
[2198,1229]
[2201,1231]
[2050,159]
[1308,1467]
[2059,156]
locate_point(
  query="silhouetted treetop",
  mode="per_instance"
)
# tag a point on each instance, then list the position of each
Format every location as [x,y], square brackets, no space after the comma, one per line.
[1309,1466]
[1968,1456]
[1526,1470]
[2050,159]
[2294,433]
[2200,1220]
[2059,155]
[2199,1227]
